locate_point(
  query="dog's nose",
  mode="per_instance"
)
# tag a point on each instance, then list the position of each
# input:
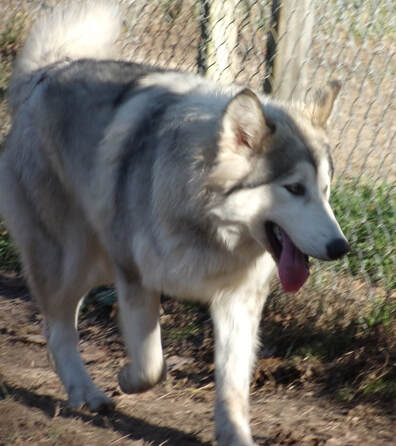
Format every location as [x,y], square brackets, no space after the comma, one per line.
[337,248]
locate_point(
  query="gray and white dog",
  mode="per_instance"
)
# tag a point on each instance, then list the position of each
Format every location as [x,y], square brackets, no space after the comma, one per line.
[160,182]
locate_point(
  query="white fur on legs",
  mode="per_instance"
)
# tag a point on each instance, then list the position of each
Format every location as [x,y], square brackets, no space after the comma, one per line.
[62,344]
[236,319]
[139,312]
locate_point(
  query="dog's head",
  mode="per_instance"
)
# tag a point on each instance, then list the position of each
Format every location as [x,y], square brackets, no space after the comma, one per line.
[273,170]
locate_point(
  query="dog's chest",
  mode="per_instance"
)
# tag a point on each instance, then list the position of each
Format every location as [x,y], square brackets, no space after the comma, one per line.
[186,274]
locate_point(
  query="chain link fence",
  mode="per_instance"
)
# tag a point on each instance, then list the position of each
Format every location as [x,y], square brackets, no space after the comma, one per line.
[289,48]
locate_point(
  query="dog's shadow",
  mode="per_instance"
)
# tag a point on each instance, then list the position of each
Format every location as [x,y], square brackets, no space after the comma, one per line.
[129,426]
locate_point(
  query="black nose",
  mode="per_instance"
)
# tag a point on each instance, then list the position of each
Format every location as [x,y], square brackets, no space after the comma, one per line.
[337,248]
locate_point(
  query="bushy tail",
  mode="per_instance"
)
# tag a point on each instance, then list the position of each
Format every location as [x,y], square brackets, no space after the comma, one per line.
[79,29]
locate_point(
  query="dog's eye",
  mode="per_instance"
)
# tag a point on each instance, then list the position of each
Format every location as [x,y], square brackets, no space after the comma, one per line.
[295,189]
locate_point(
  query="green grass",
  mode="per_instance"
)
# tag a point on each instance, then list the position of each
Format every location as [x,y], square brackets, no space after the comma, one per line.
[368,218]
[382,312]
[362,19]
[10,40]
[345,394]
[9,260]
[383,386]
[296,332]
[180,333]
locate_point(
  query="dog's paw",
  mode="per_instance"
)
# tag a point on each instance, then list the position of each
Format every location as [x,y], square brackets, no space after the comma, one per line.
[132,382]
[96,400]
[238,443]
[100,402]
[234,437]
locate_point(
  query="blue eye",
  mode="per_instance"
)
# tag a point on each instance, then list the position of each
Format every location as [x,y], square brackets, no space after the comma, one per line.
[295,189]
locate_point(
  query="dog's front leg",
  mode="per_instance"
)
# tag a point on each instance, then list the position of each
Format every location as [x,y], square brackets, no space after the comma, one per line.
[139,314]
[236,319]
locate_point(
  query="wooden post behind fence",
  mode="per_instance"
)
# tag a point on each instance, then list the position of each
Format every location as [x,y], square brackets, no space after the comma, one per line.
[292,35]
[289,41]
[222,40]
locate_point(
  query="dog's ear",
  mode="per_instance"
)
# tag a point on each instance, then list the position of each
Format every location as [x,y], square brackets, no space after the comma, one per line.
[323,102]
[243,133]
[244,124]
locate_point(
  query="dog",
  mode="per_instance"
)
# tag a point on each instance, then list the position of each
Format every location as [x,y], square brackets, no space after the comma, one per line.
[158,181]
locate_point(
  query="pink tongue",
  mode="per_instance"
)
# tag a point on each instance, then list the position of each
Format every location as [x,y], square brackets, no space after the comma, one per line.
[292,266]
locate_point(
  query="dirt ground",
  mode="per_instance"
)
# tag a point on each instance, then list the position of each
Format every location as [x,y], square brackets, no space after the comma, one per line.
[33,409]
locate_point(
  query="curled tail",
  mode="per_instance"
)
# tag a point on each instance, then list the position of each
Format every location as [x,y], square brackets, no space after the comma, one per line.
[80,29]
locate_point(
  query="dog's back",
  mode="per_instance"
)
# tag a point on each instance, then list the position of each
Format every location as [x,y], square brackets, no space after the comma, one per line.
[63,95]
[85,30]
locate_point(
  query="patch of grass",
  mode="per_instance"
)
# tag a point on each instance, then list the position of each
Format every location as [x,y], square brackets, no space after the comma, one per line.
[345,394]
[9,260]
[326,326]
[179,333]
[382,312]
[383,386]
[349,349]
[367,216]
[363,19]
[10,41]
[322,346]
[309,340]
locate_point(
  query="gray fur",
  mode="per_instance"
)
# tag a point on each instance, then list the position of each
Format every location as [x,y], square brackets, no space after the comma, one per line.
[116,172]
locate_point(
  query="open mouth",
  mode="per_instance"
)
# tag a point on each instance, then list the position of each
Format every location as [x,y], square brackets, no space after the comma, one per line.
[293,265]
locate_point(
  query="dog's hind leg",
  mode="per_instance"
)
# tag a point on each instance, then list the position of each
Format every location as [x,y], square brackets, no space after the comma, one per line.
[60,305]
[59,294]
[58,279]
[62,338]
[57,254]
[139,312]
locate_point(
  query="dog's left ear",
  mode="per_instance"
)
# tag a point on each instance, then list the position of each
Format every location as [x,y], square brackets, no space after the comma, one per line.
[244,124]
[323,102]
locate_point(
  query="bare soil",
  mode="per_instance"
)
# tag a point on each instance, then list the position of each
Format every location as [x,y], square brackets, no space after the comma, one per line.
[289,406]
